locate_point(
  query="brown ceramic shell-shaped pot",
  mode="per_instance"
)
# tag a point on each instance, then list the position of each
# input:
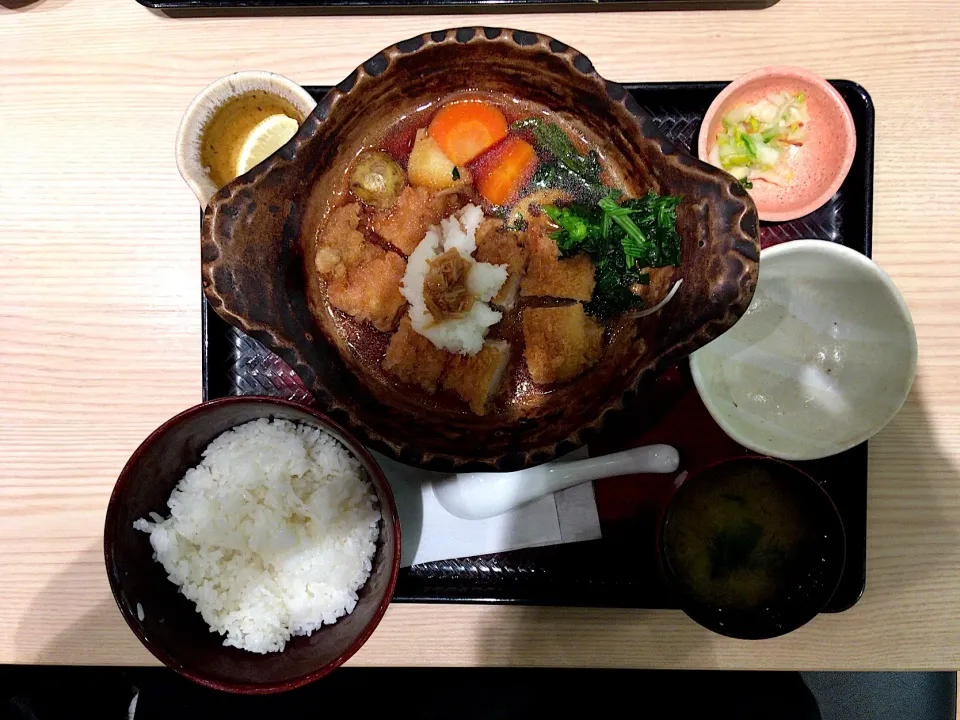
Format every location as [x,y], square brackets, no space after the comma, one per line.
[259,236]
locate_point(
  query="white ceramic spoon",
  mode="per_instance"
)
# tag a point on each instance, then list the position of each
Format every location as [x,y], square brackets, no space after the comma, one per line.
[475,496]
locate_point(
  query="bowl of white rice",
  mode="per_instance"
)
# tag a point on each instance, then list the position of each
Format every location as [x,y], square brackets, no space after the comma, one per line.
[252,544]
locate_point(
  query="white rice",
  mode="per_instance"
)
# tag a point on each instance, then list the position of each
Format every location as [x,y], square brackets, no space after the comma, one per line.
[272,535]
[465,334]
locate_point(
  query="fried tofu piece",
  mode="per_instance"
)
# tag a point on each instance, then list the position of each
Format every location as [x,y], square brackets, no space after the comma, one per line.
[661,280]
[413,359]
[560,342]
[340,245]
[417,208]
[363,279]
[371,290]
[499,246]
[476,378]
[548,275]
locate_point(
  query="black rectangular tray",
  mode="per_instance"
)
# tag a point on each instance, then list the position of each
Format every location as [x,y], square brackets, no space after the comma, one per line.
[459,6]
[606,572]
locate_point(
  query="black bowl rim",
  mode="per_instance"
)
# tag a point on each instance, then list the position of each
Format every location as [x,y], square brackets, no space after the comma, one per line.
[355,448]
[691,609]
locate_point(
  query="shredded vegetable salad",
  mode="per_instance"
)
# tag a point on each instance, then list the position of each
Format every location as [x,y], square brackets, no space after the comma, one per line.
[757,140]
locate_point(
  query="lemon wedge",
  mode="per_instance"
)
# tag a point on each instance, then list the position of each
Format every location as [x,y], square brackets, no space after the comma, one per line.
[267,136]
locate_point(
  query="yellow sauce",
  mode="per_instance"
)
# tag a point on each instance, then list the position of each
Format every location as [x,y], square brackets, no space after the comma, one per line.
[225,132]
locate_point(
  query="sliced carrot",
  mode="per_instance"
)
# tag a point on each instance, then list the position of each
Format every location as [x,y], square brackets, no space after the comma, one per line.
[463,130]
[501,175]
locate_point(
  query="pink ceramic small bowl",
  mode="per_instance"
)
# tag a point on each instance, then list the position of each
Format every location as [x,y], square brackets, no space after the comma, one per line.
[825,158]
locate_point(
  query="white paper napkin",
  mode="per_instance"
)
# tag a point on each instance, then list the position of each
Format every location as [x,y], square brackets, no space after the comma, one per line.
[429,533]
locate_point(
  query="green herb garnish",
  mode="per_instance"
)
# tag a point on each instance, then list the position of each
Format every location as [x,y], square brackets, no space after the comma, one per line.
[634,242]
[456,173]
[561,164]
[746,184]
[576,222]
[620,238]
[518,225]
[551,138]
[733,546]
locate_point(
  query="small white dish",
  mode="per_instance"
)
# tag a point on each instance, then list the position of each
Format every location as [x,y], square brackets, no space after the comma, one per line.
[481,495]
[212,99]
[822,360]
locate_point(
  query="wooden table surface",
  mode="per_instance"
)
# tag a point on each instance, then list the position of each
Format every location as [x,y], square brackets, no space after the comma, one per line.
[100,309]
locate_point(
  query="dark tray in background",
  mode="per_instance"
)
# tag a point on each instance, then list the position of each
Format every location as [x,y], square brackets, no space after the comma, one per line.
[461,6]
[620,569]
